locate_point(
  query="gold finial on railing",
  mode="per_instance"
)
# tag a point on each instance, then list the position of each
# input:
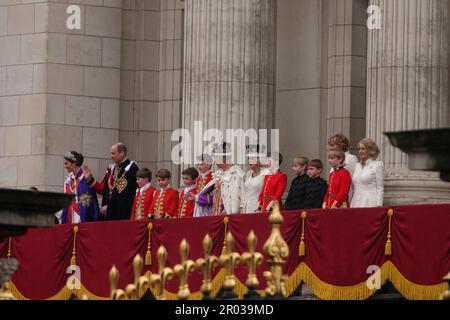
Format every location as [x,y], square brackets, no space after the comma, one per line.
[276,249]
[183,269]
[73,260]
[116,294]
[142,283]
[224,247]
[206,265]
[137,267]
[229,261]
[301,248]
[388,246]
[132,292]
[252,259]
[148,254]
[158,281]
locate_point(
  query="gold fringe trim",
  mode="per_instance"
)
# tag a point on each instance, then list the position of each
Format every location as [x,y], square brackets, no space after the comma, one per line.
[410,290]
[304,274]
[326,291]
[64,294]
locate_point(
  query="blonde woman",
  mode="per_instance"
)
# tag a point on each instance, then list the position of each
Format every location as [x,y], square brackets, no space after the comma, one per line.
[368,178]
[254,179]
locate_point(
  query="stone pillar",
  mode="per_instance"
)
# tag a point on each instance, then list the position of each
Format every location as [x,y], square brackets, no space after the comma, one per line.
[408,89]
[229,63]
[59,89]
[151,77]
[346,87]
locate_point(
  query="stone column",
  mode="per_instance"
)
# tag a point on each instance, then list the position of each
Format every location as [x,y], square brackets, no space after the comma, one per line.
[229,63]
[346,59]
[408,89]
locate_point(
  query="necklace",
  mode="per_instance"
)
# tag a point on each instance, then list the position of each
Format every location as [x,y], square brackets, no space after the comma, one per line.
[117,181]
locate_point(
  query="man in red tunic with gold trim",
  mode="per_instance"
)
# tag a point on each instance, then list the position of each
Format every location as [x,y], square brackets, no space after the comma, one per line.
[144,195]
[118,186]
[273,186]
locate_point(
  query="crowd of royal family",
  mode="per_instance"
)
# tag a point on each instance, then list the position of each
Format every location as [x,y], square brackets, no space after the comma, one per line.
[127,192]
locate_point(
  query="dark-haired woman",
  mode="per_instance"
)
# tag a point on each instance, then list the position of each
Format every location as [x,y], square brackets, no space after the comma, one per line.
[84,206]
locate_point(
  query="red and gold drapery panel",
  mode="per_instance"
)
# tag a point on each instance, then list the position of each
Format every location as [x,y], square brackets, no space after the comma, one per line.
[341,249]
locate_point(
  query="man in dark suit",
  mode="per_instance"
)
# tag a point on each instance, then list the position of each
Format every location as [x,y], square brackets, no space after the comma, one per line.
[118,186]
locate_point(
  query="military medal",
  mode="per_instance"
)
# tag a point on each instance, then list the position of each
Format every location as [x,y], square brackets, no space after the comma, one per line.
[85,199]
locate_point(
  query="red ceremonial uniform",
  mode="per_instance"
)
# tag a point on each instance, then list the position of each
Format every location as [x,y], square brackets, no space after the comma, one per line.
[164,203]
[142,202]
[185,206]
[338,188]
[273,189]
[203,180]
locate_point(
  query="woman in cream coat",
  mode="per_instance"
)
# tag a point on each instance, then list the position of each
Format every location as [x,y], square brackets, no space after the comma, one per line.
[368,178]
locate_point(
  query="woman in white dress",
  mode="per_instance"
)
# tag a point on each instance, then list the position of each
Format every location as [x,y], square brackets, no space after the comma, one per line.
[368,178]
[254,180]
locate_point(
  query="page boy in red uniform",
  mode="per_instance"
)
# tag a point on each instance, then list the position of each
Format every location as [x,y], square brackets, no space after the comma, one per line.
[339,182]
[186,202]
[144,195]
[165,198]
[273,186]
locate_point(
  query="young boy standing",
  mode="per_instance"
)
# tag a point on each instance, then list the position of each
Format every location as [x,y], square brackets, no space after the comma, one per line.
[274,184]
[297,192]
[186,201]
[316,187]
[165,199]
[144,195]
[339,182]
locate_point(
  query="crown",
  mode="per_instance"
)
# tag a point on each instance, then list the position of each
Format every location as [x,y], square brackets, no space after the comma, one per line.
[256,150]
[222,149]
[70,157]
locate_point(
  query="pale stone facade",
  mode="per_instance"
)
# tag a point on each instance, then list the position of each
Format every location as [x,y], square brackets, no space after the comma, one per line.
[308,67]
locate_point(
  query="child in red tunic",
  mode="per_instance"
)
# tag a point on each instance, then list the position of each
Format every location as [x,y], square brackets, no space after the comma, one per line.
[186,202]
[273,186]
[165,199]
[144,195]
[339,182]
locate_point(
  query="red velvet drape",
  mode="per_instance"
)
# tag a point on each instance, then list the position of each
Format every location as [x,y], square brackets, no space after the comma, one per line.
[340,246]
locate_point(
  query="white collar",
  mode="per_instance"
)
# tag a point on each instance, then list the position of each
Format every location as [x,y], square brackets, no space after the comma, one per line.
[164,189]
[191,187]
[206,173]
[145,187]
